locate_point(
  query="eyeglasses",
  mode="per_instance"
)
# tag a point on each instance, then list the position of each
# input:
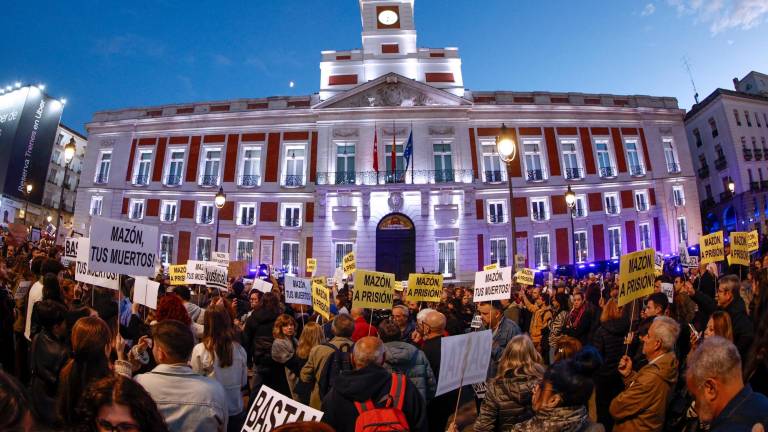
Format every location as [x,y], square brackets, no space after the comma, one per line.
[104,425]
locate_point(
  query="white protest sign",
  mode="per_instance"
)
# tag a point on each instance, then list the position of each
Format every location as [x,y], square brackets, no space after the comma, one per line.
[196,272]
[22,290]
[84,274]
[683,249]
[262,286]
[464,358]
[70,250]
[220,258]
[145,291]
[216,276]
[271,409]
[693,261]
[669,290]
[493,285]
[123,247]
[298,291]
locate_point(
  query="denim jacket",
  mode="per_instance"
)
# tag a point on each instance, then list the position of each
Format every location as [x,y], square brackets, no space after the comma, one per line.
[187,401]
[506,330]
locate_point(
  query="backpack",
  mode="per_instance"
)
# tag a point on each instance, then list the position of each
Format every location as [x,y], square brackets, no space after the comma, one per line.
[390,417]
[338,363]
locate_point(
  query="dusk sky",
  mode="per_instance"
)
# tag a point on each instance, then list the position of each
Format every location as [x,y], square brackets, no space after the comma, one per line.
[103,55]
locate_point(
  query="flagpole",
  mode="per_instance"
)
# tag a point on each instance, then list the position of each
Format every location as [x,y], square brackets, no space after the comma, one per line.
[412,153]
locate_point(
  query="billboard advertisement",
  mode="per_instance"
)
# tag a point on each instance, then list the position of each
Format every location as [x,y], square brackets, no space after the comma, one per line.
[28,122]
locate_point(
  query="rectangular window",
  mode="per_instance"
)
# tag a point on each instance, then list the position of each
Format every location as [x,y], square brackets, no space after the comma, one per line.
[345,163]
[102,173]
[541,250]
[492,165]
[534,161]
[136,209]
[682,230]
[166,248]
[443,162]
[211,167]
[582,250]
[614,242]
[604,161]
[204,248]
[245,251]
[96,205]
[291,215]
[496,211]
[697,137]
[294,166]
[641,200]
[175,173]
[342,248]
[290,257]
[736,117]
[246,215]
[612,203]
[670,156]
[446,258]
[749,119]
[205,213]
[713,127]
[645,235]
[539,209]
[634,158]
[571,164]
[168,213]
[141,175]
[499,251]
[678,196]
[250,167]
[757,120]
[580,209]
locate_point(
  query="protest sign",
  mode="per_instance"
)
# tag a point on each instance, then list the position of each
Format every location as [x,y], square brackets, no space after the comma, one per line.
[22,290]
[493,285]
[493,266]
[348,264]
[311,265]
[403,286]
[683,249]
[84,274]
[220,258]
[753,241]
[374,290]
[216,276]
[123,247]
[712,249]
[525,276]
[464,359]
[636,275]
[196,272]
[331,282]
[145,291]
[298,291]
[318,280]
[424,287]
[271,409]
[321,300]
[739,248]
[658,268]
[237,269]
[338,274]
[668,289]
[519,261]
[70,250]
[261,285]
[693,261]
[177,274]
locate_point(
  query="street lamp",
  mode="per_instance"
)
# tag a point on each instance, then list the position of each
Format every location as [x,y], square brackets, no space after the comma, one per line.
[731,185]
[506,146]
[49,218]
[570,201]
[69,153]
[28,190]
[219,201]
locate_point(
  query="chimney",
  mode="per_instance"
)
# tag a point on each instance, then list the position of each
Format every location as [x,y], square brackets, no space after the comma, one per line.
[736,84]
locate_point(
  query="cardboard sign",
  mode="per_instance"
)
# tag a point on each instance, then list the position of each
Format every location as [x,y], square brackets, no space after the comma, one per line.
[216,277]
[311,265]
[693,261]
[424,287]
[348,264]
[261,285]
[196,272]
[493,266]
[739,248]
[753,241]
[237,269]
[658,268]
[145,292]
[712,249]
[668,289]
[321,300]
[519,262]
[271,409]
[636,275]
[466,356]
[493,285]
[298,291]
[177,274]
[373,290]
[525,276]
[84,274]
[220,258]
[70,250]
[123,247]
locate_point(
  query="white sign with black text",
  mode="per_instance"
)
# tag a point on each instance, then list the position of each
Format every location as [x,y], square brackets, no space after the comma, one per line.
[216,276]
[493,284]
[463,359]
[298,291]
[123,247]
[145,291]
[271,409]
[84,274]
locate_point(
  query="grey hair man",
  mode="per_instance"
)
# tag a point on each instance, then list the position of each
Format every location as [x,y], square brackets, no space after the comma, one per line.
[402,317]
[714,379]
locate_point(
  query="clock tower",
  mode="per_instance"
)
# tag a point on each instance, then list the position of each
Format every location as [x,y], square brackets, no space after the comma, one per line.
[388,27]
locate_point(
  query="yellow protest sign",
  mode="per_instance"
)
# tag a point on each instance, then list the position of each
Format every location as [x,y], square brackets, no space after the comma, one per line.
[712,249]
[424,287]
[636,275]
[493,266]
[739,248]
[311,265]
[525,276]
[321,300]
[348,264]
[178,274]
[320,280]
[659,266]
[373,290]
[753,241]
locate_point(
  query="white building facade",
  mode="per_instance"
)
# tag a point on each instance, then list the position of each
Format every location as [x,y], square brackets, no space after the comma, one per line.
[302,178]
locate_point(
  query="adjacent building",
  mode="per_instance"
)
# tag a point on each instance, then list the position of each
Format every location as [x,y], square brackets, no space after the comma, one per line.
[727,135]
[332,172]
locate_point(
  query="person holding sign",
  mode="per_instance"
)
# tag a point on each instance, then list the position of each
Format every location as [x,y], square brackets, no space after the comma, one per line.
[504,329]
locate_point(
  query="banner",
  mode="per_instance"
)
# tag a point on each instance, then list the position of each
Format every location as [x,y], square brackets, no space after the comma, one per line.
[424,287]
[216,276]
[493,285]
[321,300]
[261,285]
[348,264]
[196,272]
[311,265]
[636,275]
[493,266]
[668,289]
[145,291]
[271,409]
[712,249]
[753,241]
[373,290]
[86,275]
[123,247]
[525,276]
[298,291]
[220,258]
[70,250]
[464,359]
[177,274]
[739,248]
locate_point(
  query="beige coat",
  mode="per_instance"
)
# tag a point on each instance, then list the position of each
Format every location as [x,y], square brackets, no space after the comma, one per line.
[315,364]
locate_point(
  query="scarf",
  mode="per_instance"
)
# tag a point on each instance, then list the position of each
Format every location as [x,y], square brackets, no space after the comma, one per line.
[575,316]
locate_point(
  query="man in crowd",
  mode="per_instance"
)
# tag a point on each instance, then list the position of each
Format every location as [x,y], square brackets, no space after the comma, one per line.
[503,328]
[187,401]
[643,403]
[193,310]
[362,327]
[369,382]
[342,328]
[401,317]
[722,400]
[656,305]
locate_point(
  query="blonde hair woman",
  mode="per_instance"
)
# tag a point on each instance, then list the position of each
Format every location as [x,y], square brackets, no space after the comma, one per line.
[311,336]
[508,398]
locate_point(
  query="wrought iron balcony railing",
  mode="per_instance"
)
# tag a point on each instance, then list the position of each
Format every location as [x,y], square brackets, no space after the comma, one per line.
[539,216]
[209,180]
[371,178]
[173,180]
[636,171]
[140,180]
[168,217]
[246,220]
[535,175]
[612,209]
[760,153]
[573,174]
[721,163]
[496,219]
[494,177]
[703,172]
[293,180]
[101,179]
[673,167]
[205,220]
[607,172]
[291,222]
[249,180]
[748,153]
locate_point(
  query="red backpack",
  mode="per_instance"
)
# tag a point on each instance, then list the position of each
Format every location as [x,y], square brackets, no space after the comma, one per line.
[390,417]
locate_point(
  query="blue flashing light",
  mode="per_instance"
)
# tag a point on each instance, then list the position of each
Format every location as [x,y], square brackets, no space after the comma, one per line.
[591,264]
[581,266]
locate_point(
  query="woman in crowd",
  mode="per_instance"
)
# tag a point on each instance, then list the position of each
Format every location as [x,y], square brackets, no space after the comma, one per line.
[283,350]
[15,407]
[508,398]
[756,363]
[567,348]
[560,309]
[116,403]
[170,306]
[579,321]
[49,353]
[257,337]
[311,336]
[609,341]
[719,324]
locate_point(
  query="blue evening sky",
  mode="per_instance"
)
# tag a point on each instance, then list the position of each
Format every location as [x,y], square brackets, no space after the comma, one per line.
[103,55]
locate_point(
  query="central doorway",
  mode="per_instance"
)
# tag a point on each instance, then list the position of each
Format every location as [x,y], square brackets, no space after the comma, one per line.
[396,246]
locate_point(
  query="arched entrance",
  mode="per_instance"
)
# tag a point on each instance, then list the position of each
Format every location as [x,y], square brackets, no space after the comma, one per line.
[396,245]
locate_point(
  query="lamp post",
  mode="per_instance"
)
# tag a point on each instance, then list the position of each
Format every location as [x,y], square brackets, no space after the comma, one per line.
[570,201]
[506,146]
[69,153]
[219,201]
[731,185]
[28,190]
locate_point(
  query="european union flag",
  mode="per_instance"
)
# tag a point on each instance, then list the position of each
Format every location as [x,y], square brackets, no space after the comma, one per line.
[408,151]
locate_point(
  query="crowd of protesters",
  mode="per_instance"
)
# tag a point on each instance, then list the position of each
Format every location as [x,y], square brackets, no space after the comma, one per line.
[565,356]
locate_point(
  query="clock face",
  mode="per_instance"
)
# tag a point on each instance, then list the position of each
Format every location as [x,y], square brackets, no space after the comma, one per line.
[388,17]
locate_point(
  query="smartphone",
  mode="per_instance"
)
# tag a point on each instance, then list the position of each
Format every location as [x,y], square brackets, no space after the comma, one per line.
[693,331]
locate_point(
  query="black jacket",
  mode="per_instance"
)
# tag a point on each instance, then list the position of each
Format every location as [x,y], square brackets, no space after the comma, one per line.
[369,383]
[48,356]
[743,330]
[257,336]
[609,341]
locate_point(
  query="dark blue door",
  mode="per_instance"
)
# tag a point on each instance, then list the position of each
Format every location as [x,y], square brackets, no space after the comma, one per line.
[396,246]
